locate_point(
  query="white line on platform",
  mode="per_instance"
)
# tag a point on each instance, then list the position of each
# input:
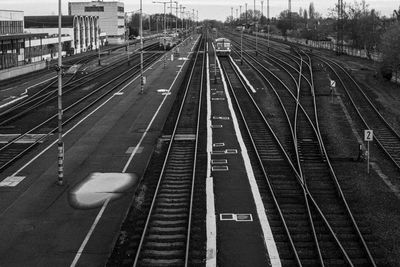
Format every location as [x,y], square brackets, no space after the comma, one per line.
[243,76]
[96,221]
[264,223]
[211,225]
[13,101]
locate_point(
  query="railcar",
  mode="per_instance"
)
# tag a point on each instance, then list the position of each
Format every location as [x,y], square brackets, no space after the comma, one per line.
[223,47]
[169,41]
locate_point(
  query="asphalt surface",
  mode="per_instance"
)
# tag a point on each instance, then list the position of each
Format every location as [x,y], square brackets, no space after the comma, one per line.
[39,225]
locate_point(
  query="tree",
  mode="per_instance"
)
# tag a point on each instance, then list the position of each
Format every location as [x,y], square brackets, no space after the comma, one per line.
[311,11]
[284,23]
[390,47]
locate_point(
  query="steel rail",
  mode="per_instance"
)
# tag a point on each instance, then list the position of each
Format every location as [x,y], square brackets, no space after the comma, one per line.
[373,108]
[146,226]
[45,136]
[337,186]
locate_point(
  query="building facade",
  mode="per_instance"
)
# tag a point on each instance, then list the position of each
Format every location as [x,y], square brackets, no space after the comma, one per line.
[81,32]
[11,22]
[110,14]
[15,47]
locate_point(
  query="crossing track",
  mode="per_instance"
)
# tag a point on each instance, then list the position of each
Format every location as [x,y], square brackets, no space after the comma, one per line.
[71,82]
[35,127]
[310,216]
[162,234]
[385,136]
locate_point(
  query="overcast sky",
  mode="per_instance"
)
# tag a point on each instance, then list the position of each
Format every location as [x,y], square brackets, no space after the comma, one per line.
[211,9]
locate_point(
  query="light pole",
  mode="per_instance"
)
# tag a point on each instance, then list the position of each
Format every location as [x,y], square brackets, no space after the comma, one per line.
[141,49]
[240,14]
[215,58]
[98,42]
[126,35]
[165,28]
[241,47]
[255,26]
[60,143]
[268,22]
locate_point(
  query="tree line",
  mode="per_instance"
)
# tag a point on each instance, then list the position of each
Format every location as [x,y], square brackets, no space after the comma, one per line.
[362,27]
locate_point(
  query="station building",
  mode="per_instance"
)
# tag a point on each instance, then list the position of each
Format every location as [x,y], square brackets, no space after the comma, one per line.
[110,15]
[14,42]
[79,33]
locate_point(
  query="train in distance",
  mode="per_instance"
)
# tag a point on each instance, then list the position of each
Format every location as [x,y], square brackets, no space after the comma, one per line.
[222,47]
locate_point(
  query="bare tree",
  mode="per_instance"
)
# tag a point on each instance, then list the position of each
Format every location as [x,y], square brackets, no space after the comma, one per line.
[390,46]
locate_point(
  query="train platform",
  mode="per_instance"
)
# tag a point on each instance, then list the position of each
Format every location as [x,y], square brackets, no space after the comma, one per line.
[238,231]
[106,153]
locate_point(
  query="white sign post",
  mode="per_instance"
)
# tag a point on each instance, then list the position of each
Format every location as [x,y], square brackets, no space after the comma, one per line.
[332,86]
[368,137]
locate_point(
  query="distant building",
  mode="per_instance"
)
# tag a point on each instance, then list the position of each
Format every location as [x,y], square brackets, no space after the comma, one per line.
[11,21]
[111,17]
[79,33]
[14,43]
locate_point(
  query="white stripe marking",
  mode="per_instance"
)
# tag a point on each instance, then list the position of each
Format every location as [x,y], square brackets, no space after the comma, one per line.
[243,76]
[96,221]
[266,229]
[13,101]
[211,260]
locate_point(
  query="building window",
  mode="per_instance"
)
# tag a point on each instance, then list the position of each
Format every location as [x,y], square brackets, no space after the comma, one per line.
[120,9]
[94,8]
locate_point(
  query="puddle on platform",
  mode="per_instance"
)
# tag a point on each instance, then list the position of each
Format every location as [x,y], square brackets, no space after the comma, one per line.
[96,188]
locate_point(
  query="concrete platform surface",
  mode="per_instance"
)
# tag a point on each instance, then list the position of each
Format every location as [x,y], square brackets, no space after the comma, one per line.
[38,224]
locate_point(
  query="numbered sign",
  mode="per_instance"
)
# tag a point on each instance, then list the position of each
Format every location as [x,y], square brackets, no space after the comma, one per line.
[368,135]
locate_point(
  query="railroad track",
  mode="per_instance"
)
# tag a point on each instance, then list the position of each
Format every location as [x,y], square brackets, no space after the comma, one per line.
[310,216]
[385,136]
[71,82]
[163,228]
[32,129]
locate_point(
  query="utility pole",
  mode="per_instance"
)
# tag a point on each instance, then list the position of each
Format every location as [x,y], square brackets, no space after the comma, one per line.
[256,27]
[268,21]
[290,12]
[339,42]
[142,79]
[98,40]
[262,9]
[126,37]
[60,143]
[165,28]
[240,14]
[246,14]
[254,11]
[183,18]
[231,16]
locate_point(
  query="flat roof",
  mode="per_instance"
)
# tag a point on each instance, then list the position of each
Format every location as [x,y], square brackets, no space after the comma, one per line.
[22,36]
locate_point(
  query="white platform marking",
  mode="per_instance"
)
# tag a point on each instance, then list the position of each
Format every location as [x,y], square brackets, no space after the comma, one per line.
[219,161]
[243,76]
[132,148]
[219,168]
[218,144]
[211,225]
[12,181]
[227,217]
